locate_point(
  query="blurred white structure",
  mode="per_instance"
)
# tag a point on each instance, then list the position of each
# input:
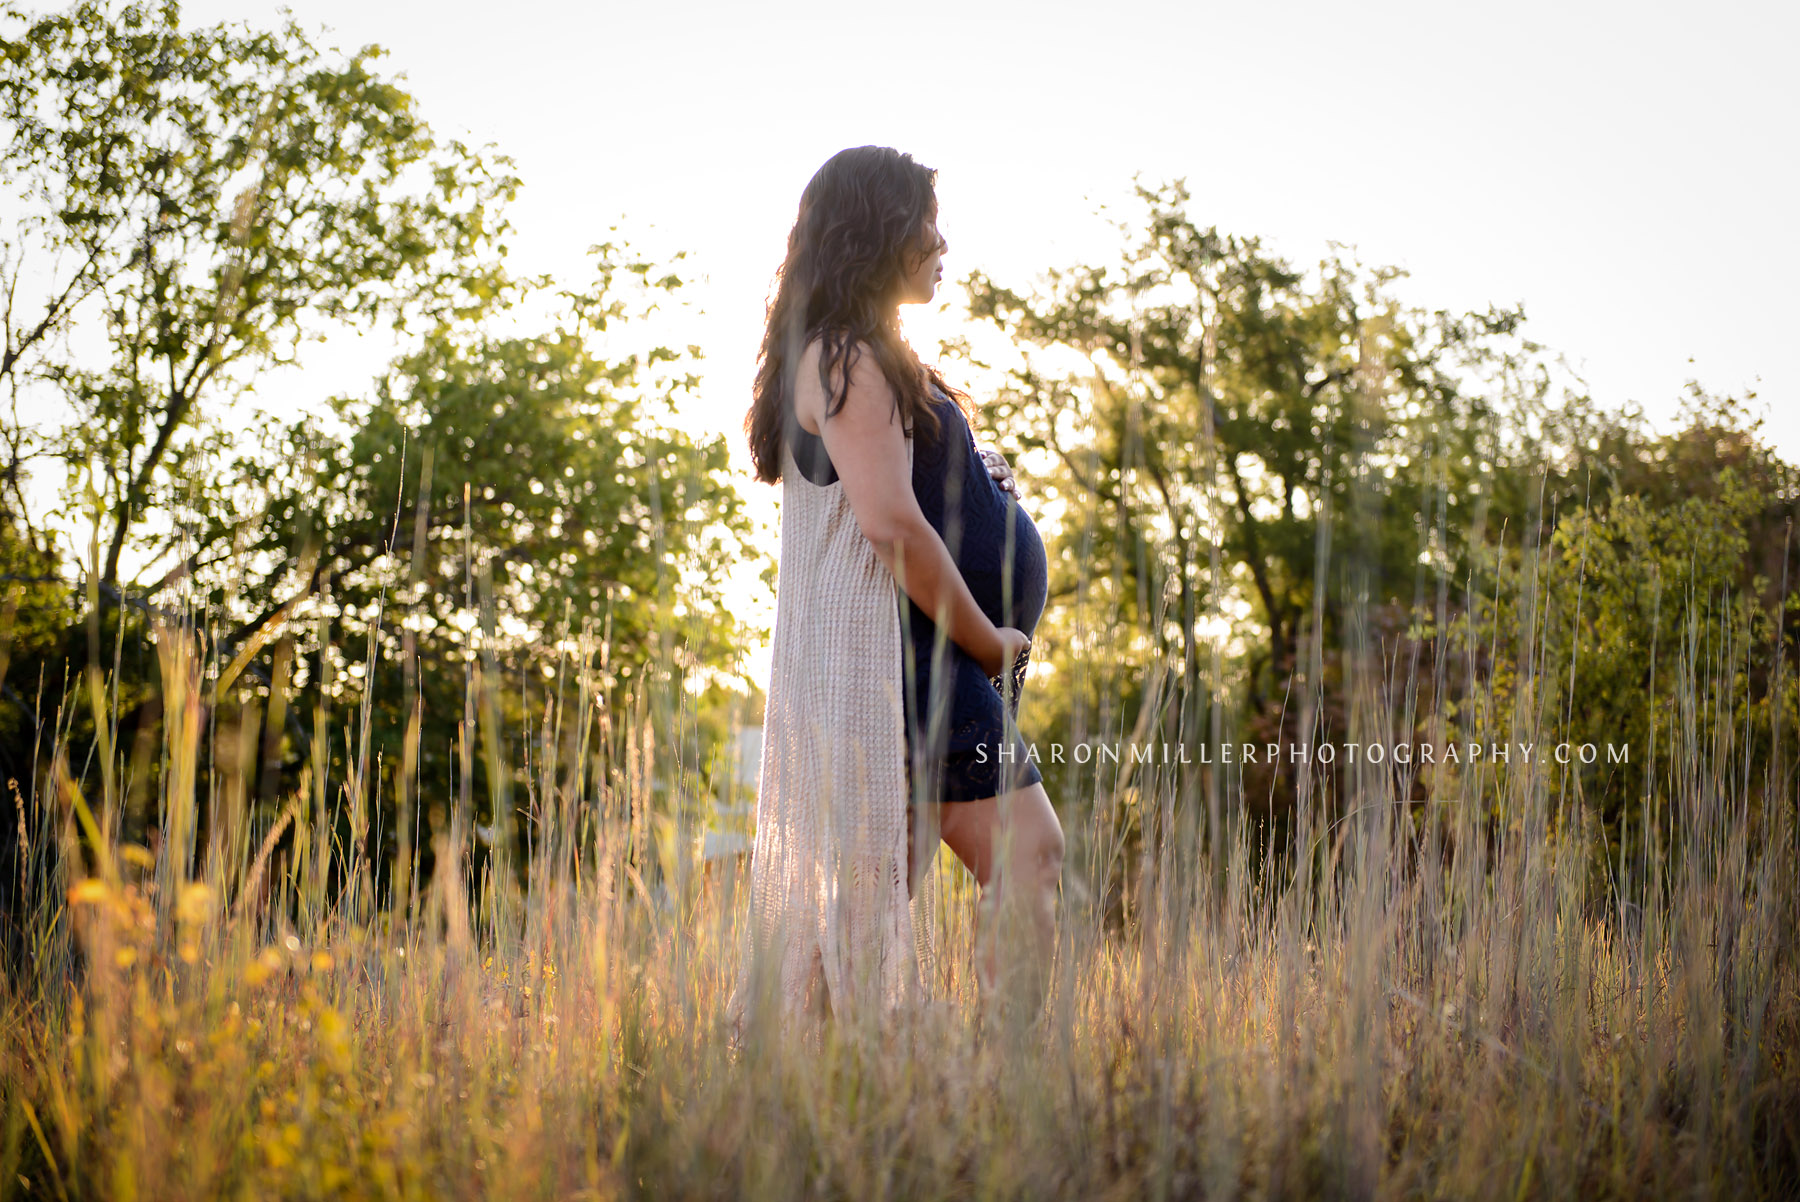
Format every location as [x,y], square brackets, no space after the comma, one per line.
[738,819]
[720,845]
[747,756]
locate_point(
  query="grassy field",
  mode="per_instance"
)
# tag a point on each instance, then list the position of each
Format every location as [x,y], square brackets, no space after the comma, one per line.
[1433,1000]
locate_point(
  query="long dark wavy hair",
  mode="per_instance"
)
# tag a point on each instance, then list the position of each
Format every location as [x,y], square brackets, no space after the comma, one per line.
[860,231]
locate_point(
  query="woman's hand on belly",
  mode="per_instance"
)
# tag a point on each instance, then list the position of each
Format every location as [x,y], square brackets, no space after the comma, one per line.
[999,471]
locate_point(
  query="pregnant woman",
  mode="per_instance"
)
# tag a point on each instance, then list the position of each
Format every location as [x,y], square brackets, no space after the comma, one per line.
[910,580]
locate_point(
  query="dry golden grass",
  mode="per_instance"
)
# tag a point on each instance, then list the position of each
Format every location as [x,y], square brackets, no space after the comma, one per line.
[1420,1001]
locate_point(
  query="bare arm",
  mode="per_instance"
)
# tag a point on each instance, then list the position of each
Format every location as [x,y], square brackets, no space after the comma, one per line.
[868,448]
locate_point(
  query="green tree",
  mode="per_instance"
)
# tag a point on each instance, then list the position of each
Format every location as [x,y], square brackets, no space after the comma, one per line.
[1234,413]
[493,498]
[1658,616]
[209,199]
[192,206]
[1272,488]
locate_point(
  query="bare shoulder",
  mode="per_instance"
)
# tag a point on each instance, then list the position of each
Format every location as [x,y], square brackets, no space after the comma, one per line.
[869,393]
[866,441]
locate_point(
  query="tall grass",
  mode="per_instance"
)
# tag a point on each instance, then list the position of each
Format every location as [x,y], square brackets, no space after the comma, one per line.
[1394,999]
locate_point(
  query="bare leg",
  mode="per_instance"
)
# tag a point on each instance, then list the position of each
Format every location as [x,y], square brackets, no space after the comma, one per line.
[912,852]
[818,993]
[920,846]
[1014,845]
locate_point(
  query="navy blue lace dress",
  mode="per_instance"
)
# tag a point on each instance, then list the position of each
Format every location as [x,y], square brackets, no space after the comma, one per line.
[961,734]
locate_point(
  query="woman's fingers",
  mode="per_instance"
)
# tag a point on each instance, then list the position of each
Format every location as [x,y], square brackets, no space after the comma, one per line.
[999,471]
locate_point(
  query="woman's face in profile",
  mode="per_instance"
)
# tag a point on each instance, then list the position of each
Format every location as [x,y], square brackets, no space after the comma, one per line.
[922,281]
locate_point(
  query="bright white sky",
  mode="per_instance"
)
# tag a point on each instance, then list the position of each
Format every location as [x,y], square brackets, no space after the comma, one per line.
[1627,171]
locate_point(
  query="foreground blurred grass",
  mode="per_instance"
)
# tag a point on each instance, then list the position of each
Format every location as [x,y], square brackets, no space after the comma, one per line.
[1429,1000]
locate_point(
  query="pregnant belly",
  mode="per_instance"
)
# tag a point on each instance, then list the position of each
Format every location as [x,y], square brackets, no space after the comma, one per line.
[1010,588]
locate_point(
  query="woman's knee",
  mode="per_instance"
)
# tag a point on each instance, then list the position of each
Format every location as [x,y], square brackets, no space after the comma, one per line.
[1051,849]
[1050,856]
[1038,845]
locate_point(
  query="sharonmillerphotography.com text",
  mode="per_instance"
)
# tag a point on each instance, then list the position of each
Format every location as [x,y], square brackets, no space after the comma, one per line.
[1404,754]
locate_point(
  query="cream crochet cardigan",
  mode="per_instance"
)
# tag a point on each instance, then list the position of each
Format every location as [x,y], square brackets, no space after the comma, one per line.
[828,897]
